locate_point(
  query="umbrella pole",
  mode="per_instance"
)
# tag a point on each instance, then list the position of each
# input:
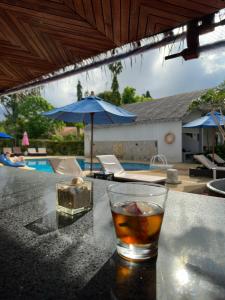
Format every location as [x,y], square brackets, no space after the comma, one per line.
[92,121]
[213,145]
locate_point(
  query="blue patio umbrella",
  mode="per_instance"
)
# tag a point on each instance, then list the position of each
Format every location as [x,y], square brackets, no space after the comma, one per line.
[208,121]
[3,135]
[91,110]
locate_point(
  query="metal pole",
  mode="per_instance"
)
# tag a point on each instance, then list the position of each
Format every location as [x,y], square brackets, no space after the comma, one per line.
[213,145]
[200,140]
[92,121]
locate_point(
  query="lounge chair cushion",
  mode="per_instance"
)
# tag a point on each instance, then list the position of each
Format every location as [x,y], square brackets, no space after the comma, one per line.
[139,177]
[7,162]
[207,163]
[7,149]
[42,151]
[217,158]
[17,150]
[32,150]
[111,164]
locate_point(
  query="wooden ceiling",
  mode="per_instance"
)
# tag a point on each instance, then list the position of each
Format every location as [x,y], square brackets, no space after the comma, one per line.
[41,36]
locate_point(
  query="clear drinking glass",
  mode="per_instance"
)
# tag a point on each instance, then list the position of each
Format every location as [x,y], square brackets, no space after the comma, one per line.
[137,211]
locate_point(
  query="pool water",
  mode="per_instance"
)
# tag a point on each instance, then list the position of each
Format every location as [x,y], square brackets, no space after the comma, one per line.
[43,165]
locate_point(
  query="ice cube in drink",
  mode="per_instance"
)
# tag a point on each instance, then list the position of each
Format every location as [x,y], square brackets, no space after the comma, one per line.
[137,223]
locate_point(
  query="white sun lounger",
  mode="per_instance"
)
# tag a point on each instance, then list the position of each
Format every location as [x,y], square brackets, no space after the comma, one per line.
[66,166]
[7,149]
[217,158]
[110,164]
[32,151]
[207,163]
[42,151]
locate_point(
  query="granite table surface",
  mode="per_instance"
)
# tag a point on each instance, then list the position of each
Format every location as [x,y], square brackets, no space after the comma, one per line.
[44,255]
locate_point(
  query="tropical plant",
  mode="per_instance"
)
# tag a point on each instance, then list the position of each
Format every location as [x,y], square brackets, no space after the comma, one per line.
[2,127]
[142,99]
[12,122]
[128,95]
[22,112]
[106,95]
[212,100]
[79,126]
[115,68]
[79,91]
[86,93]
[147,95]
[10,104]
[30,113]
[57,138]
[67,138]
[70,138]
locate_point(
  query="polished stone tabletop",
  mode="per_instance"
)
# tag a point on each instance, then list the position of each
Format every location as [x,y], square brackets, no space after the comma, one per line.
[44,255]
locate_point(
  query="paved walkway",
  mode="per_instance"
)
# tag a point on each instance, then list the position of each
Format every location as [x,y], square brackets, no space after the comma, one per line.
[196,185]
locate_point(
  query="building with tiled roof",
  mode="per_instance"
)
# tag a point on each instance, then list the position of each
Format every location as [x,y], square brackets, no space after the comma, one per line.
[157,130]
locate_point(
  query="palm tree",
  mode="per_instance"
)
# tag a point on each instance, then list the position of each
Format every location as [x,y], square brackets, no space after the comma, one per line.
[115,68]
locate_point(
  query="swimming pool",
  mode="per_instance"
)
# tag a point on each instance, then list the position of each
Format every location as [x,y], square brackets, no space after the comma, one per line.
[42,165]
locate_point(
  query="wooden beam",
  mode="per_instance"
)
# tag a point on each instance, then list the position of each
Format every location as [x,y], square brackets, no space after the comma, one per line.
[205,48]
[95,64]
[168,39]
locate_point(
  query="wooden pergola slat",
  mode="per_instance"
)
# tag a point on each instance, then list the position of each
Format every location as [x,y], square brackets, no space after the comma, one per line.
[41,36]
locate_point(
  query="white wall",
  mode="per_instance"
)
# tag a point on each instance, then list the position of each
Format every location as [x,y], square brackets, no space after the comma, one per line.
[191,144]
[141,132]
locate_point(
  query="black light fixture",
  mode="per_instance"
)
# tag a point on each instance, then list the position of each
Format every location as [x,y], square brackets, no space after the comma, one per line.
[194,29]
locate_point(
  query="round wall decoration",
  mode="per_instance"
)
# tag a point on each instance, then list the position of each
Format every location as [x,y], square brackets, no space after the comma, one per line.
[169,138]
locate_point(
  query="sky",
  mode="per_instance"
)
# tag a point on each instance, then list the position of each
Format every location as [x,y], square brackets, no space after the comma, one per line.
[148,71]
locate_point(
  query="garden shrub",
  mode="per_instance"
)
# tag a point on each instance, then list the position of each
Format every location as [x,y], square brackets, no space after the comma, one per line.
[220,150]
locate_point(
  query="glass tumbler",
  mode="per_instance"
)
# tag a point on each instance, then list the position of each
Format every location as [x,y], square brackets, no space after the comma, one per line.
[137,211]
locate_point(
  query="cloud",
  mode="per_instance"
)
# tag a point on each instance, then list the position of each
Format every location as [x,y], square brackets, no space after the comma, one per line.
[64,91]
[213,62]
[147,72]
[1,115]
[61,92]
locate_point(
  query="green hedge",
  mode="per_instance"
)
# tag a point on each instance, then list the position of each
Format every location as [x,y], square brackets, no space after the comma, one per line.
[220,150]
[53,148]
[6,143]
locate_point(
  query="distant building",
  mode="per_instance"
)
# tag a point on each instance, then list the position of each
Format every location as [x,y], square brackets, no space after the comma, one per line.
[69,130]
[157,130]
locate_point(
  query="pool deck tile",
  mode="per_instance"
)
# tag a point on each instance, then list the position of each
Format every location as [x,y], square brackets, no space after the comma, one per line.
[196,185]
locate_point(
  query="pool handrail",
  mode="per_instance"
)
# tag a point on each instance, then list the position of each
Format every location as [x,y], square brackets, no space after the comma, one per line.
[163,164]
